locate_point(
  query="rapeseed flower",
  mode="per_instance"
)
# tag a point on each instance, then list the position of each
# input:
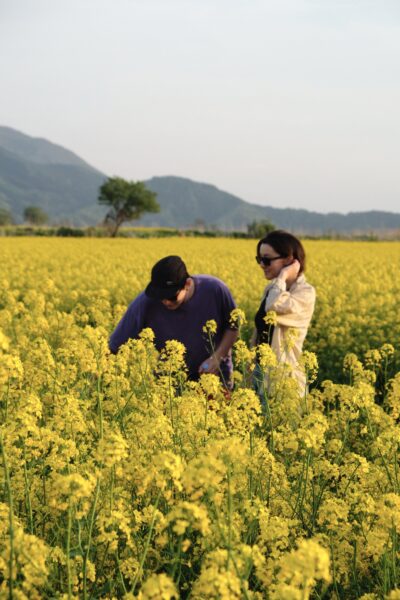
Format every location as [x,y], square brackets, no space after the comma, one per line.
[126,479]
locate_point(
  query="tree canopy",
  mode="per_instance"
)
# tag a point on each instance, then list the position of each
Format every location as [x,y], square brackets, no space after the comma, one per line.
[5,217]
[127,200]
[259,229]
[35,215]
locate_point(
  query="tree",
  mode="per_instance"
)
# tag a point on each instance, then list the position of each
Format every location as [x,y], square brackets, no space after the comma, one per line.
[35,215]
[199,224]
[5,217]
[259,229]
[128,201]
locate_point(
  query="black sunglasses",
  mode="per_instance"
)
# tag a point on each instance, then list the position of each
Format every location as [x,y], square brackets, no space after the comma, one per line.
[266,261]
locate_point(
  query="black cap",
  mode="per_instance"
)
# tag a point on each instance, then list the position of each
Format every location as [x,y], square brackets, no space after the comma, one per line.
[168,276]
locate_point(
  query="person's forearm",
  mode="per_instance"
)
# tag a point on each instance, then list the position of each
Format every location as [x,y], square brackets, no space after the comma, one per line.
[211,364]
[228,339]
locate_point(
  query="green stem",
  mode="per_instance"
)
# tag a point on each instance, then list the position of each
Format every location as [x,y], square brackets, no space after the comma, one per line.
[7,396]
[385,466]
[355,568]
[251,472]
[10,519]
[351,479]
[146,548]
[112,488]
[170,396]
[120,572]
[303,494]
[333,567]
[394,553]
[87,553]
[205,418]
[100,570]
[268,415]
[396,467]
[300,495]
[28,495]
[68,549]
[177,559]
[100,406]
[221,533]
[229,520]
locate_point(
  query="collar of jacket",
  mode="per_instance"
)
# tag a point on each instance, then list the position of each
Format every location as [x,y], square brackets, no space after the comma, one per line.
[299,281]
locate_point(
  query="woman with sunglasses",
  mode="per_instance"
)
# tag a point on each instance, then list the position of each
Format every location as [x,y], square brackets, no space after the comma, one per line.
[282,259]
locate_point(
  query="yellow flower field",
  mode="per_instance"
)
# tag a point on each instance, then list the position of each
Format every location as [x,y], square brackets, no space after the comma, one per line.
[120,484]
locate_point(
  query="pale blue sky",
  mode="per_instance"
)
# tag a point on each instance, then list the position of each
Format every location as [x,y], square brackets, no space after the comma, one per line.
[281,102]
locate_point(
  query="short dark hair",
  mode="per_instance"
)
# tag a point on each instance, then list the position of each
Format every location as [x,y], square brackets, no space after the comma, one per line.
[286,245]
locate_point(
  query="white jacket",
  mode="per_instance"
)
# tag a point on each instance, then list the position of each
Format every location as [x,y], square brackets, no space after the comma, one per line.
[294,308]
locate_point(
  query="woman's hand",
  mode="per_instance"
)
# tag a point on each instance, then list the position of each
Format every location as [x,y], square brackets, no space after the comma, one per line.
[290,273]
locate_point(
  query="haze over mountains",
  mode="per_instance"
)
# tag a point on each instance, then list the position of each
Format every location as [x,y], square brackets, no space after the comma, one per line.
[34,171]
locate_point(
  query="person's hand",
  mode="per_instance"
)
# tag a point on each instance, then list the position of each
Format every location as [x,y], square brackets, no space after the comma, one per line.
[210,365]
[290,272]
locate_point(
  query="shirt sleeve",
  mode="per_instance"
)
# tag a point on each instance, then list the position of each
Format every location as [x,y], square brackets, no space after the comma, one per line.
[293,309]
[227,306]
[130,325]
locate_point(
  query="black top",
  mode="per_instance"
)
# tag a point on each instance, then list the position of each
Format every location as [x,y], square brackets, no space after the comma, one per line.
[264,330]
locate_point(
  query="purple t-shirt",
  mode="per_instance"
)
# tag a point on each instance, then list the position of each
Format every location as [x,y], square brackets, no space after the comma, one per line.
[211,300]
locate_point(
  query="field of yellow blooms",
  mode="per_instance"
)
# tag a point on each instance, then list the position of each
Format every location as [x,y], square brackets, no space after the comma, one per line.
[116,483]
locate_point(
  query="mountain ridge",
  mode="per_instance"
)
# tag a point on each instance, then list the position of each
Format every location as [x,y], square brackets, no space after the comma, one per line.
[35,171]
[38,149]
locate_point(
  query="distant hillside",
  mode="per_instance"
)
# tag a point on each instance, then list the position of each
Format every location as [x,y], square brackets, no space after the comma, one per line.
[184,201]
[38,150]
[36,171]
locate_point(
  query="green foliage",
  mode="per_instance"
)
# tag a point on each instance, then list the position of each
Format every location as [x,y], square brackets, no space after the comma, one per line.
[35,215]
[128,200]
[259,229]
[70,232]
[5,217]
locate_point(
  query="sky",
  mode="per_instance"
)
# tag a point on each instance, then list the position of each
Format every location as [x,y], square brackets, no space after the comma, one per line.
[286,103]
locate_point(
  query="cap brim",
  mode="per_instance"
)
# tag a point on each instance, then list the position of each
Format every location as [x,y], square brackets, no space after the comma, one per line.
[156,293]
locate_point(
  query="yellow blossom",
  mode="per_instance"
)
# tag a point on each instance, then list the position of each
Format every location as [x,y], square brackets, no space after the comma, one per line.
[210,327]
[158,587]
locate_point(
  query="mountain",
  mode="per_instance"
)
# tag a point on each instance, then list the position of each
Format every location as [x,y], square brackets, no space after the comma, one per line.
[183,202]
[38,150]
[34,171]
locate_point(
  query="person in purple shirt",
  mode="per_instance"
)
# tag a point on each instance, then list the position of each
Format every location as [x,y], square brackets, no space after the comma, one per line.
[176,306]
